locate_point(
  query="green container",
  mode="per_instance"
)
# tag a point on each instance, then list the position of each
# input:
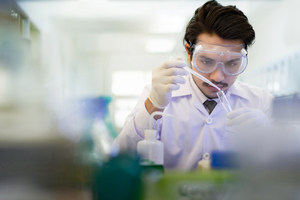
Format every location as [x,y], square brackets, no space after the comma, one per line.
[188,185]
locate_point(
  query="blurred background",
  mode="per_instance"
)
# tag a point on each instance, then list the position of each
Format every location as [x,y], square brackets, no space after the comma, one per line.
[74,68]
[109,47]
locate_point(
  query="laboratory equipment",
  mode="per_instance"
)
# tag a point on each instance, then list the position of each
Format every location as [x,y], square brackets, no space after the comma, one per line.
[201,77]
[97,136]
[118,178]
[220,93]
[224,101]
[151,150]
[231,58]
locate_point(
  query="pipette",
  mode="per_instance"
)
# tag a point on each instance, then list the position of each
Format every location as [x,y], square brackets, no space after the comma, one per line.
[220,93]
[201,77]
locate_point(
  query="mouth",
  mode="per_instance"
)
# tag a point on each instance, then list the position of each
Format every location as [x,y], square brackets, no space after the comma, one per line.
[222,86]
[213,88]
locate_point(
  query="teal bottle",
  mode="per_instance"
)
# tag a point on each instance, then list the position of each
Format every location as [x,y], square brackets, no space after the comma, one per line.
[95,144]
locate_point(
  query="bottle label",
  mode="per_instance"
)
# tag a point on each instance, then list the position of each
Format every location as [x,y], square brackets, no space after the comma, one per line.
[146,162]
[150,154]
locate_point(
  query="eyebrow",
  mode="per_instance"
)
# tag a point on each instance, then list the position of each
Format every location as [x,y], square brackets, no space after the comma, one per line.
[207,58]
[210,59]
[233,60]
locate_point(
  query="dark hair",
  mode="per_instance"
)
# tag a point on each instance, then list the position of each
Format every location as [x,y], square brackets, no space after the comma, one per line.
[227,22]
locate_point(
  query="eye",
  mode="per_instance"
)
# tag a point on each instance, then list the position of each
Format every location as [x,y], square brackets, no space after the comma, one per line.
[206,62]
[232,64]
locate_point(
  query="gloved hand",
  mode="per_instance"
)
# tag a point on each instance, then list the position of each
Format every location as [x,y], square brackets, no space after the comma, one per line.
[244,119]
[165,79]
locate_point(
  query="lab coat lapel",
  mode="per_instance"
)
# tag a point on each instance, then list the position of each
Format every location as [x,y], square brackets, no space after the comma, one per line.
[218,108]
[198,104]
[196,99]
[237,90]
[186,89]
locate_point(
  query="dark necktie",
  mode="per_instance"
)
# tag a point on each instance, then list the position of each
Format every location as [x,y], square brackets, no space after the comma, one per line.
[210,105]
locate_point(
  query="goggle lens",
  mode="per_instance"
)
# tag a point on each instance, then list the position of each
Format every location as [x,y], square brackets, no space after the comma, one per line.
[232,63]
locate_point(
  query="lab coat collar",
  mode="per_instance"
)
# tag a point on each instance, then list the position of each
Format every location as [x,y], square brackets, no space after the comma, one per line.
[187,89]
[238,90]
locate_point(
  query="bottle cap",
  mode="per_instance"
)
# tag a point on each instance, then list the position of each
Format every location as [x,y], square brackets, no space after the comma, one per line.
[150,134]
[224,160]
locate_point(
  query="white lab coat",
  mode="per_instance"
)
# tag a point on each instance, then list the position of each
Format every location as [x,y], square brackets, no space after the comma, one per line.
[192,134]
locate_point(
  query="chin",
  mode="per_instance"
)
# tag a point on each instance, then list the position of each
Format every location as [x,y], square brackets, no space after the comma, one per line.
[211,95]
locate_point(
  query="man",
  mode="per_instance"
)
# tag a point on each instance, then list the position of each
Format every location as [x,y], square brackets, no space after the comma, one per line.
[216,41]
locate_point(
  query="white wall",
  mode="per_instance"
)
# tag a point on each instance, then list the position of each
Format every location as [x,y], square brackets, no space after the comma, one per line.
[277,30]
[274,62]
[95,55]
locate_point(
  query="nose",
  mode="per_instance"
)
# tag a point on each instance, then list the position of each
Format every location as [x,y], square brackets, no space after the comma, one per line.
[218,74]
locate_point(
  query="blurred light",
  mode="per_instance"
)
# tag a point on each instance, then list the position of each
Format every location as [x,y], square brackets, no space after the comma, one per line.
[126,83]
[127,86]
[123,107]
[270,86]
[120,117]
[276,86]
[159,45]
[4,87]
[167,24]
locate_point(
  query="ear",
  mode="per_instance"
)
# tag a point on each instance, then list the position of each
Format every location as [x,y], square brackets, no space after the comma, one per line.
[187,47]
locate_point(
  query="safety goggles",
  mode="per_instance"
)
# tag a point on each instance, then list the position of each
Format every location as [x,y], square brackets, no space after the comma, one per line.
[231,58]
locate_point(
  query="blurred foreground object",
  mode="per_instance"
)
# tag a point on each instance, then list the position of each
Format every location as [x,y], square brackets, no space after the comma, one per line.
[108,168]
[189,185]
[97,133]
[270,161]
[118,179]
[43,170]
[36,161]
[286,109]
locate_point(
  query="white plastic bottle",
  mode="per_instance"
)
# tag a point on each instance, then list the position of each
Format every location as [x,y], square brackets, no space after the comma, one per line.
[151,150]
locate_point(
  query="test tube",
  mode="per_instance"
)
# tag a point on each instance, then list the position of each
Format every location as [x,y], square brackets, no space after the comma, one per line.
[224,101]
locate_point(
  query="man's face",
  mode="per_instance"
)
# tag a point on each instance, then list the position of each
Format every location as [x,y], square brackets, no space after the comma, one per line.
[218,77]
